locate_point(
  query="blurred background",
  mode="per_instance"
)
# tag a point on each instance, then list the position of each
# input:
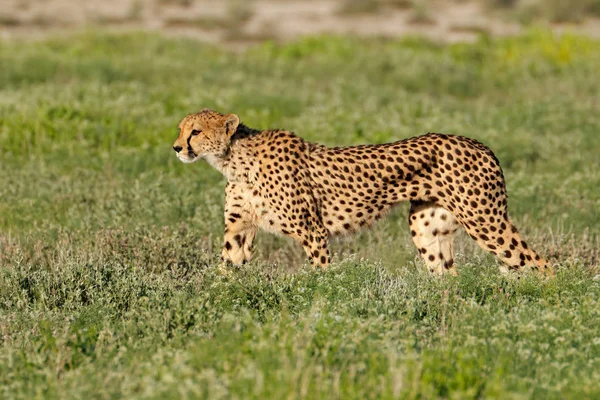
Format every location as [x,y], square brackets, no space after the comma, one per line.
[241,22]
[110,246]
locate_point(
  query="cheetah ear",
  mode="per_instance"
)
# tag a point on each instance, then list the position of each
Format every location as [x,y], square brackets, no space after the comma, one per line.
[231,123]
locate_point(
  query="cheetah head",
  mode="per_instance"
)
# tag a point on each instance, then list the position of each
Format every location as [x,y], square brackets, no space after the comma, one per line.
[206,134]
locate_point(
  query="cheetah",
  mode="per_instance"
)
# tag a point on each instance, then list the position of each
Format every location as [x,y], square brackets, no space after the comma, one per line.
[281,183]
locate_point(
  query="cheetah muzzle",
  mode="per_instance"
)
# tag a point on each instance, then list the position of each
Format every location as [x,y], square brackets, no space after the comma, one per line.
[279,182]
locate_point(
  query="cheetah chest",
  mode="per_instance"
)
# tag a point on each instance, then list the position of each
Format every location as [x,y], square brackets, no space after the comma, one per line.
[262,214]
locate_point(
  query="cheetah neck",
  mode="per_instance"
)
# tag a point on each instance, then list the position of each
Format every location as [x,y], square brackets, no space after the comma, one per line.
[217,162]
[243,132]
[238,162]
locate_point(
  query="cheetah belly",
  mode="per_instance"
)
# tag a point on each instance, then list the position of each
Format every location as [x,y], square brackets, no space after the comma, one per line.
[265,217]
[349,211]
[269,221]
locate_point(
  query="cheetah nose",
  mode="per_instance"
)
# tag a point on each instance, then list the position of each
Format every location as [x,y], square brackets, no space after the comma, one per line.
[177,148]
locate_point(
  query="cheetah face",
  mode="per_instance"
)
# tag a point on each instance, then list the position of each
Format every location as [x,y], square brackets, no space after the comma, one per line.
[206,134]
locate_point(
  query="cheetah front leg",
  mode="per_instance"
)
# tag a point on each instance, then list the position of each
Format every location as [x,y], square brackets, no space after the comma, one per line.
[312,235]
[237,244]
[240,227]
[315,242]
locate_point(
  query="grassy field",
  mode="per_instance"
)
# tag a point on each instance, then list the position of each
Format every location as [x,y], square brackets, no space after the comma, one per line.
[109,245]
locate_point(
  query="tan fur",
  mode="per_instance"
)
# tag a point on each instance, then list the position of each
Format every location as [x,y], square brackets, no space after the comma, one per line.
[279,182]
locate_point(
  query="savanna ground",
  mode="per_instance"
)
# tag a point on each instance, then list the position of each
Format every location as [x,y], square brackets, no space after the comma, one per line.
[238,23]
[109,245]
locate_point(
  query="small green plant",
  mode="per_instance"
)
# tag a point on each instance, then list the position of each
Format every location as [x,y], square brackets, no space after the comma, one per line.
[502,3]
[240,11]
[359,7]
[421,13]
[8,19]
[554,11]
[135,10]
[401,4]
[180,3]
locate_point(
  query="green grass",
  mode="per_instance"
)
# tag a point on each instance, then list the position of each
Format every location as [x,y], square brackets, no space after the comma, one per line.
[109,245]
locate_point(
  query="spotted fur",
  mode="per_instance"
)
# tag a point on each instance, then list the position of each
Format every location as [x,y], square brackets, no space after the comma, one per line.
[281,183]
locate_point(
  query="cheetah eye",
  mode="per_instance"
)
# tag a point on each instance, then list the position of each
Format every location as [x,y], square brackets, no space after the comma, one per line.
[196,132]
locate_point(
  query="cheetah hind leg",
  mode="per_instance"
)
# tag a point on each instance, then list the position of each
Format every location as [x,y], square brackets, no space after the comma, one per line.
[432,229]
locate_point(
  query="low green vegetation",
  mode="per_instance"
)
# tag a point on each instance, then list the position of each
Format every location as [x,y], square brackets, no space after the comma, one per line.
[109,285]
[552,11]
[524,11]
